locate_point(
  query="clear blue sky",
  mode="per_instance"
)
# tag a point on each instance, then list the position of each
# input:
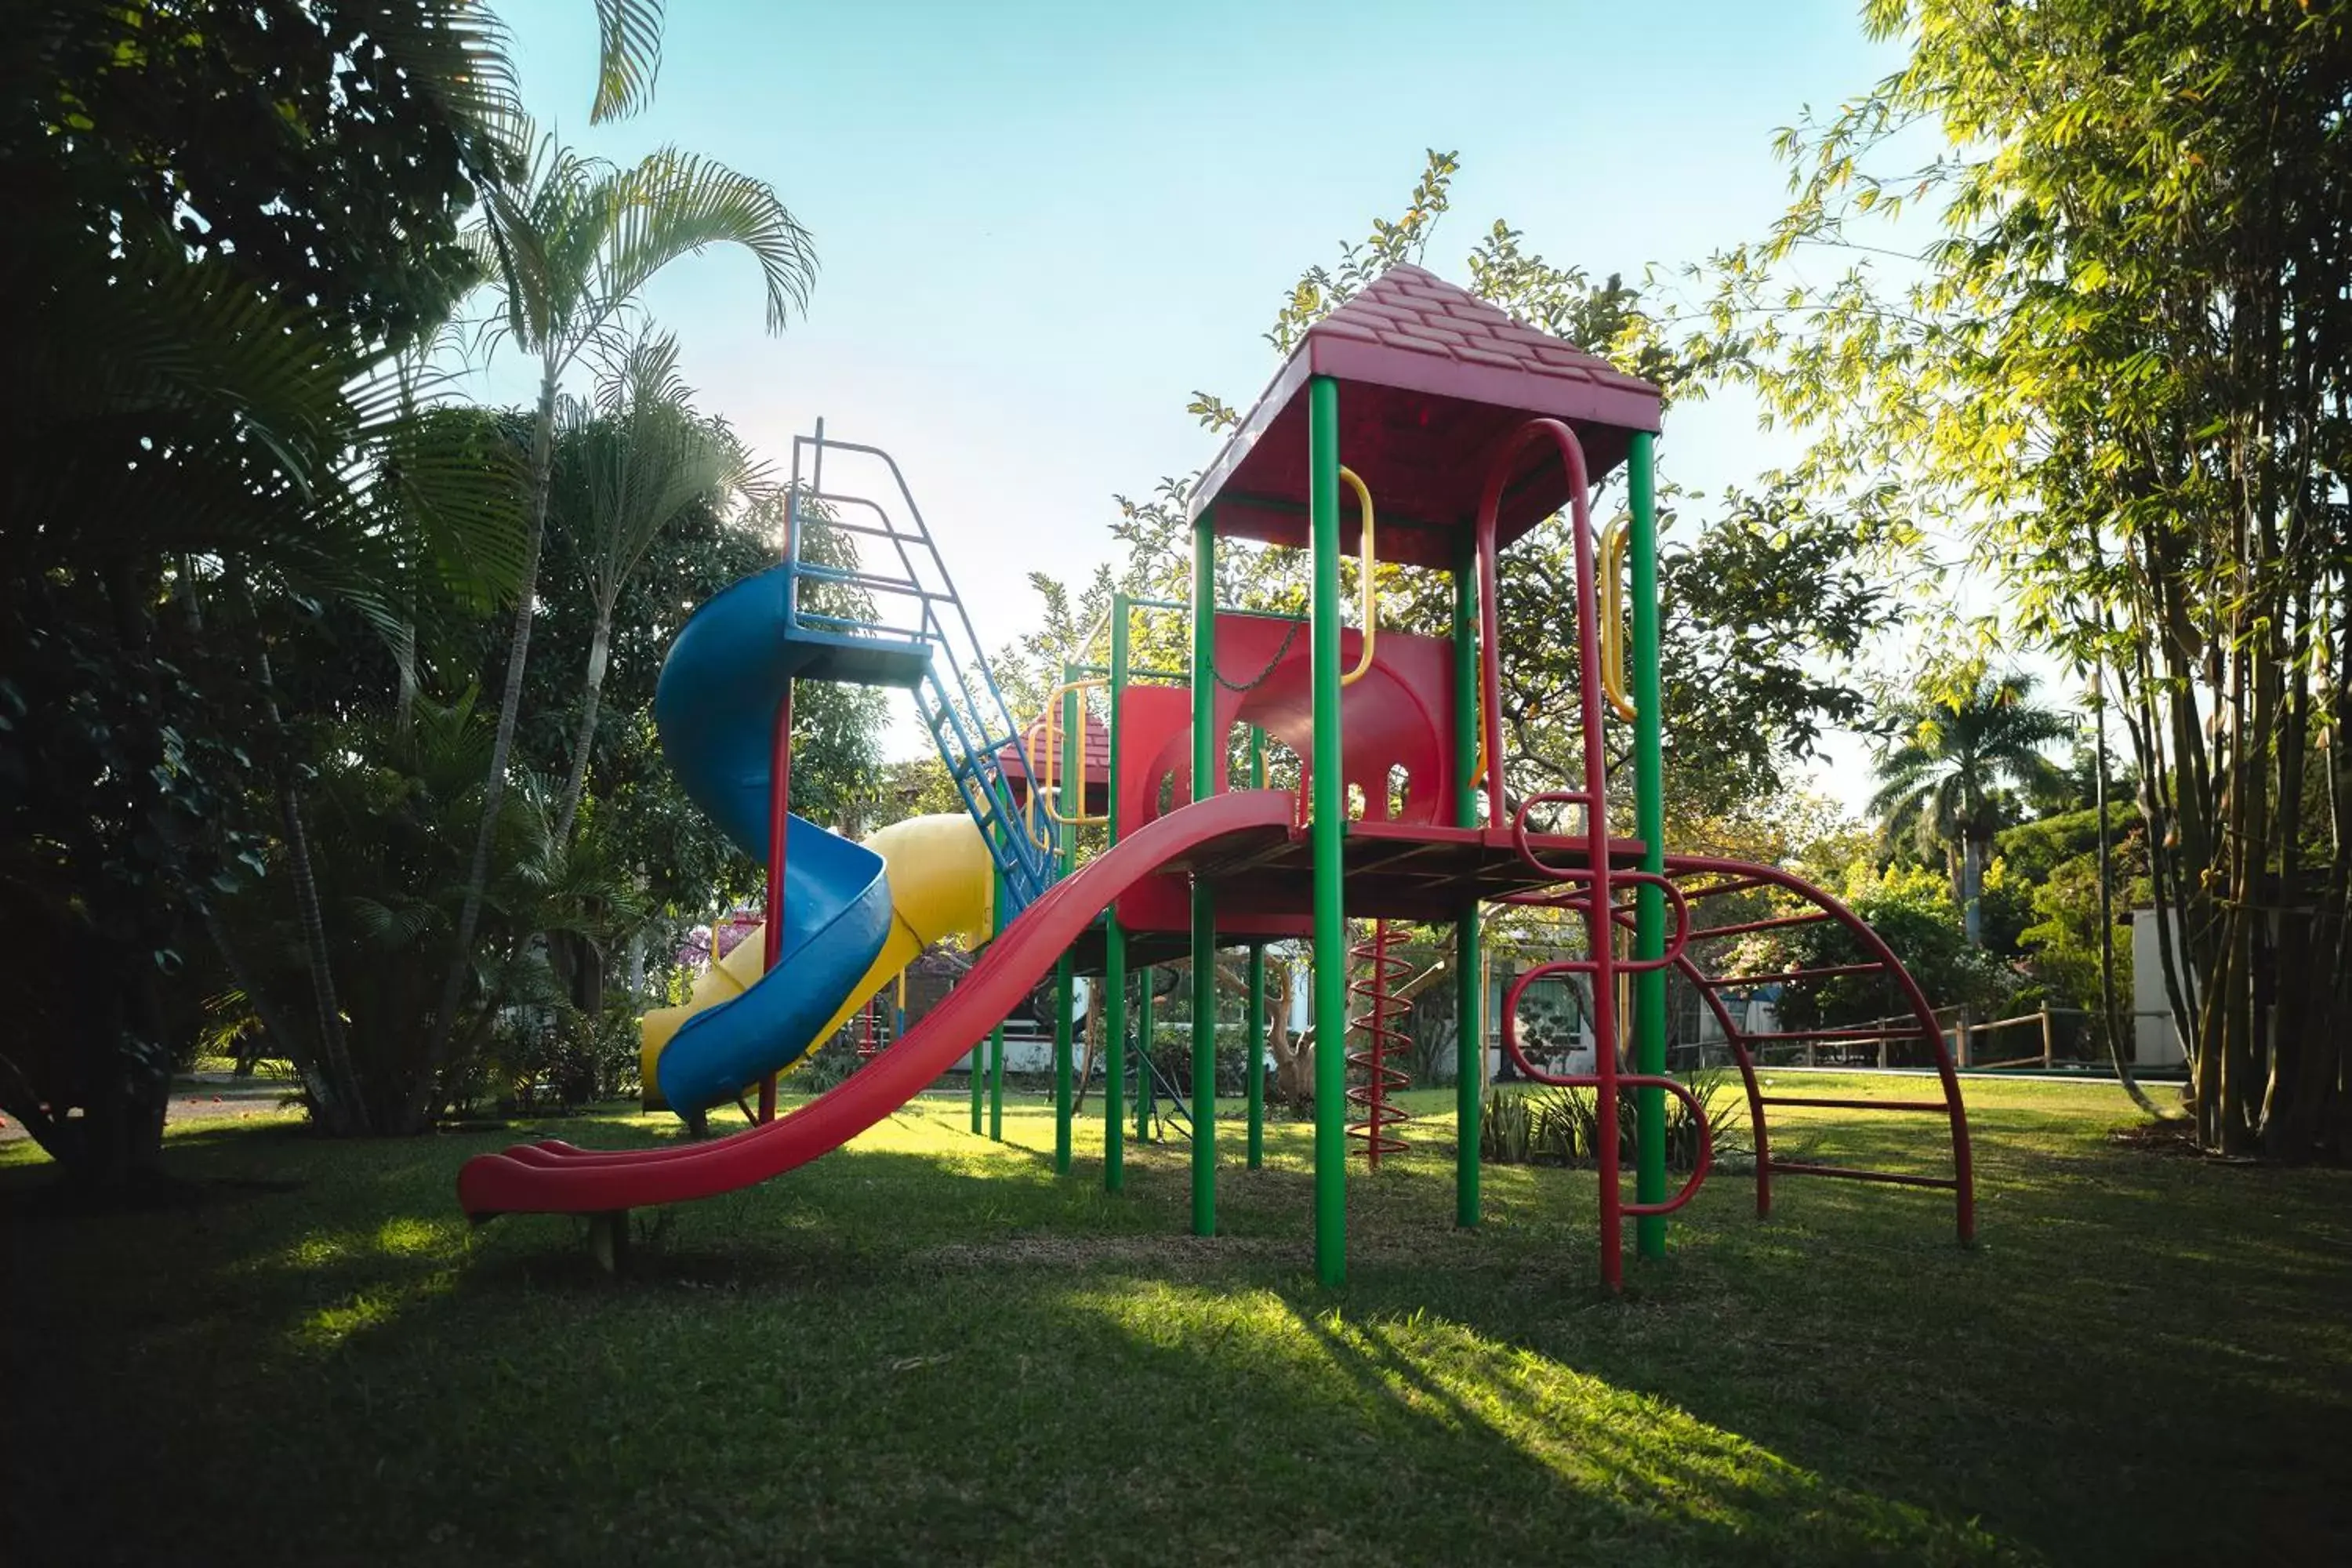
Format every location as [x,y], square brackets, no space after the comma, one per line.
[1041,225]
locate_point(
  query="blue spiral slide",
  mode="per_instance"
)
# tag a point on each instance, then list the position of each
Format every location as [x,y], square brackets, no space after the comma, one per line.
[714,707]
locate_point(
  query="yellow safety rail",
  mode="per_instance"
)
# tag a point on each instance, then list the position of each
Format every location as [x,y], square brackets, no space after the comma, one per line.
[1046,736]
[1371,600]
[1614,542]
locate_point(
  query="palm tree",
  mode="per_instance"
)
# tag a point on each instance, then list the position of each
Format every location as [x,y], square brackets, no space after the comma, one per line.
[642,456]
[567,247]
[1941,780]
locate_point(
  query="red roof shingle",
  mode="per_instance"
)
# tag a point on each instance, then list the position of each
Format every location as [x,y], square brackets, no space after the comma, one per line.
[1432,378]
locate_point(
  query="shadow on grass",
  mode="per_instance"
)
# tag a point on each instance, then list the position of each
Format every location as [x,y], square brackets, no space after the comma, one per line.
[927,1346]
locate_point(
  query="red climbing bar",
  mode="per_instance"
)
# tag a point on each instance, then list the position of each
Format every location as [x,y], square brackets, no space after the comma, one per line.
[1825,971]
[1778,922]
[1885,1178]
[1820,1102]
[1889,1035]
[1718,889]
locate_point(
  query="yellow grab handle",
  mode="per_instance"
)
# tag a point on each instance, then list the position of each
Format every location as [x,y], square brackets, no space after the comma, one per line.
[1613,619]
[1370,616]
[1047,736]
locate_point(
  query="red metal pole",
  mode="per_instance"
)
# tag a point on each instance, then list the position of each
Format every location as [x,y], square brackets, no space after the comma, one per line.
[1600,912]
[779,805]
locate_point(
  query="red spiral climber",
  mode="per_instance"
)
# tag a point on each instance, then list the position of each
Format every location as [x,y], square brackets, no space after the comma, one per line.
[1374,1072]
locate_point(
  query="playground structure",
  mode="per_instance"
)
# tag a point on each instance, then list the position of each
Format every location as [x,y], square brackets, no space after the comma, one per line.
[1459,431]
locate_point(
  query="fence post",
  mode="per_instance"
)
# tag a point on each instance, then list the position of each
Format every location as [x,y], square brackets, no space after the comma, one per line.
[2048,1050]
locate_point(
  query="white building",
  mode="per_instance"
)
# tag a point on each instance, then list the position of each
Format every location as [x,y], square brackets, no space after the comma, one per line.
[2155,1042]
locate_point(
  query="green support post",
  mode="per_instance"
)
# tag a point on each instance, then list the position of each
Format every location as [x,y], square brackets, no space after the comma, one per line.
[1650,822]
[996,1036]
[1469,996]
[1254,1036]
[1327,834]
[1208,779]
[1115,940]
[1073,781]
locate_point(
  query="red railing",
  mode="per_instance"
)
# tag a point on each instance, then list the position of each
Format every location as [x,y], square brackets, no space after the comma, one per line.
[1594,895]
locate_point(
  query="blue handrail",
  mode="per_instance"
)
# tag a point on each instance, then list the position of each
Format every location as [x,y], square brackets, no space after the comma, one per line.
[956,698]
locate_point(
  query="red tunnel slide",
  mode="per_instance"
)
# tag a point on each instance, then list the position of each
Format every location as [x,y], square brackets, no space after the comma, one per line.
[555,1178]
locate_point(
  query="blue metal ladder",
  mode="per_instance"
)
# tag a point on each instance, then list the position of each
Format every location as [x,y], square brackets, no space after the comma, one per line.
[945,666]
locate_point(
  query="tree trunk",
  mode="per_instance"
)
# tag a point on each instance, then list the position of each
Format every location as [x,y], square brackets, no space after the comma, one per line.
[1293,1060]
[494,788]
[600,644]
[344,1108]
[1972,889]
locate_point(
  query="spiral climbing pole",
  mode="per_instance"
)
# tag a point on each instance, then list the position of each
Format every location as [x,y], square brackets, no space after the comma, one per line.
[1376,1069]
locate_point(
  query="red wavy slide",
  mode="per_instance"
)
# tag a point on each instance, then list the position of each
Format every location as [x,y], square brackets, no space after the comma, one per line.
[553,1177]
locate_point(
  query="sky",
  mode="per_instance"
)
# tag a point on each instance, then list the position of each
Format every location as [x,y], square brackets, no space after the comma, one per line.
[1041,225]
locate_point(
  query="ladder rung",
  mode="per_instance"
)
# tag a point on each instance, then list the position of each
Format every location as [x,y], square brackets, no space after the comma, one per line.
[1893,1178]
[1823,972]
[1822,1103]
[1752,1036]
[1776,923]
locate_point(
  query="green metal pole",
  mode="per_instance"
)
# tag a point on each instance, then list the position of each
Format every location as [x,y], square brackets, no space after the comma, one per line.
[1650,822]
[1115,940]
[1073,783]
[1208,779]
[1469,997]
[1254,1036]
[979,1083]
[1326,829]
[996,1040]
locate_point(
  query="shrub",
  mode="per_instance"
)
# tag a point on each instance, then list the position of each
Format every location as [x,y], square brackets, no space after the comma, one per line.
[539,1058]
[1561,1125]
[1171,1053]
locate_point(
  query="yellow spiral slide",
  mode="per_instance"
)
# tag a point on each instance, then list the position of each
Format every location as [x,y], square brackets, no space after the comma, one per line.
[942,884]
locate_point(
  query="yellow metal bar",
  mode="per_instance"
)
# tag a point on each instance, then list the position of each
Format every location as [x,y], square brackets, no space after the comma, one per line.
[1613,619]
[1046,737]
[1369,587]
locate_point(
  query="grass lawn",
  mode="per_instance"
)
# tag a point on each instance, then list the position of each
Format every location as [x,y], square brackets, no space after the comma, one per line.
[926,1348]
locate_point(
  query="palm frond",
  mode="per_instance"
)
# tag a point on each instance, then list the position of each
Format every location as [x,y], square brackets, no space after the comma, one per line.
[674,203]
[628,56]
[459,54]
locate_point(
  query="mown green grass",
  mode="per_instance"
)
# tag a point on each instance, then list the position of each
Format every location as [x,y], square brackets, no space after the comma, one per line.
[927,1348]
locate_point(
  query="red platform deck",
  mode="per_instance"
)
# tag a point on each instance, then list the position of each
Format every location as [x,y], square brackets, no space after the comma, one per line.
[1399,871]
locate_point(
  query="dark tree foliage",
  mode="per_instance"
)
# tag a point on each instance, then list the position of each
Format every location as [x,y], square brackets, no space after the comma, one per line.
[651,826]
[215,215]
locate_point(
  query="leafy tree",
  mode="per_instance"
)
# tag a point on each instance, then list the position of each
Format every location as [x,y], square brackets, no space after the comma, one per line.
[630,798]
[1911,910]
[394,804]
[2119,367]
[641,464]
[193,299]
[1759,608]
[1941,780]
[567,247]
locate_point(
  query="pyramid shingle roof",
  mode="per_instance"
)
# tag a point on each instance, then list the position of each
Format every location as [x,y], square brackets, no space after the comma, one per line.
[1430,379]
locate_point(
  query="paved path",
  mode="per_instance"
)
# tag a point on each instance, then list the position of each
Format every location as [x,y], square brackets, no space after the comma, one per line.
[203,1097]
